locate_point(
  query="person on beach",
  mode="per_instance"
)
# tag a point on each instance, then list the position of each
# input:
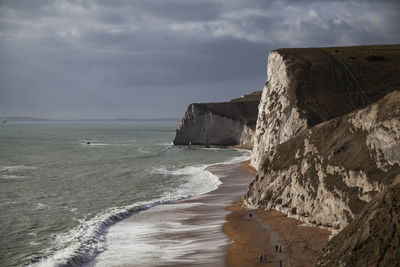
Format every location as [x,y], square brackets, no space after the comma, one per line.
[261,258]
[265,258]
[276,248]
[280,249]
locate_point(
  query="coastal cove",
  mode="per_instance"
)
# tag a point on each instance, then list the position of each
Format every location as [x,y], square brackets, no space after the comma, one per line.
[184,233]
[325,152]
[212,230]
[205,133]
[150,227]
[60,195]
[305,172]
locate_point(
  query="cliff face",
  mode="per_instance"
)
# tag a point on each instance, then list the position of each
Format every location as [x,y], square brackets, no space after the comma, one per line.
[308,86]
[227,123]
[373,237]
[326,174]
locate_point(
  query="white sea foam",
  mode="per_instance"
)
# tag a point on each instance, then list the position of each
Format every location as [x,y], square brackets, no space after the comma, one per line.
[198,180]
[142,151]
[40,206]
[246,154]
[99,143]
[81,244]
[14,171]
[16,168]
[168,144]
[95,144]
[137,247]
[8,203]
[11,176]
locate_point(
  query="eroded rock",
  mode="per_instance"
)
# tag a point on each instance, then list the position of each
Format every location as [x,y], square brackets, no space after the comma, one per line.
[329,172]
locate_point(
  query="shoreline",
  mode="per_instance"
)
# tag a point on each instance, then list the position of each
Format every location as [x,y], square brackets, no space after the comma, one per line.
[213,230]
[183,233]
[213,211]
[247,237]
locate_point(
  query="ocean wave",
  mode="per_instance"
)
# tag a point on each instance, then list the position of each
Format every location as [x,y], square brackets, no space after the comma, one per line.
[73,209]
[14,171]
[11,176]
[168,144]
[168,147]
[99,143]
[15,168]
[81,244]
[198,180]
[41,206]
[93,144]
[246,154]
[148,153]
[8,203]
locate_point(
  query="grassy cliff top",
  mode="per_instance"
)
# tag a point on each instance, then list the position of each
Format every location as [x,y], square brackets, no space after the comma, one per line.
[333,81]
[244,108]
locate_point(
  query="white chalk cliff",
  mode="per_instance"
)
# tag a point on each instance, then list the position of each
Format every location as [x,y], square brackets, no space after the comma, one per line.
[226,123]
[327,138]
[326,174]
[307,86]
[278,117]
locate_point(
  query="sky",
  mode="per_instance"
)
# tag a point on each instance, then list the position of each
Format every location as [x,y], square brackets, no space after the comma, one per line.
[82,59]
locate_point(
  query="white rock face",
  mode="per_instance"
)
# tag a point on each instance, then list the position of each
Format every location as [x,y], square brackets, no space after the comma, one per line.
[201,126]
[247,136]
[325,175]
[383,136]
[278,117]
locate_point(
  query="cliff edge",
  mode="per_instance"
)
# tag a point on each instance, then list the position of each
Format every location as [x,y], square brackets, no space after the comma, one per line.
[226,123]
[307,86]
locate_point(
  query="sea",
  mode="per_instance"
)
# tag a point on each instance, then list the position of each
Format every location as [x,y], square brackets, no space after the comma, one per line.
[64,184]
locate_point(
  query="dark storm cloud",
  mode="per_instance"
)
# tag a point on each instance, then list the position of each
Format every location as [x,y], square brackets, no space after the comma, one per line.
[151,58]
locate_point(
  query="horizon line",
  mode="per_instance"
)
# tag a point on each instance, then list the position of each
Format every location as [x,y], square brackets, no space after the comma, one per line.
[26,118]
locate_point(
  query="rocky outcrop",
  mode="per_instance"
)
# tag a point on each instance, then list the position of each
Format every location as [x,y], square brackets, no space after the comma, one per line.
[326,174]
[227,123]
[308,86]
[373,237]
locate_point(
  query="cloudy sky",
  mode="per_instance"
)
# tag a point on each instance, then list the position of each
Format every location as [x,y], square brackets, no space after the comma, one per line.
[151,58]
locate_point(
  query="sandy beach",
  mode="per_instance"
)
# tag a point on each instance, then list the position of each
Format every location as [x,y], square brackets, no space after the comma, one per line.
[259,235]
[251,233]
[212,230]
[209,215]
[183,233]
[270,238]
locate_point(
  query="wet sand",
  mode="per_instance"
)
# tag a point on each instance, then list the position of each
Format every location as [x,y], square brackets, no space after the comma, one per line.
[212,230]
[209,215]
[251,233]
[184,233]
